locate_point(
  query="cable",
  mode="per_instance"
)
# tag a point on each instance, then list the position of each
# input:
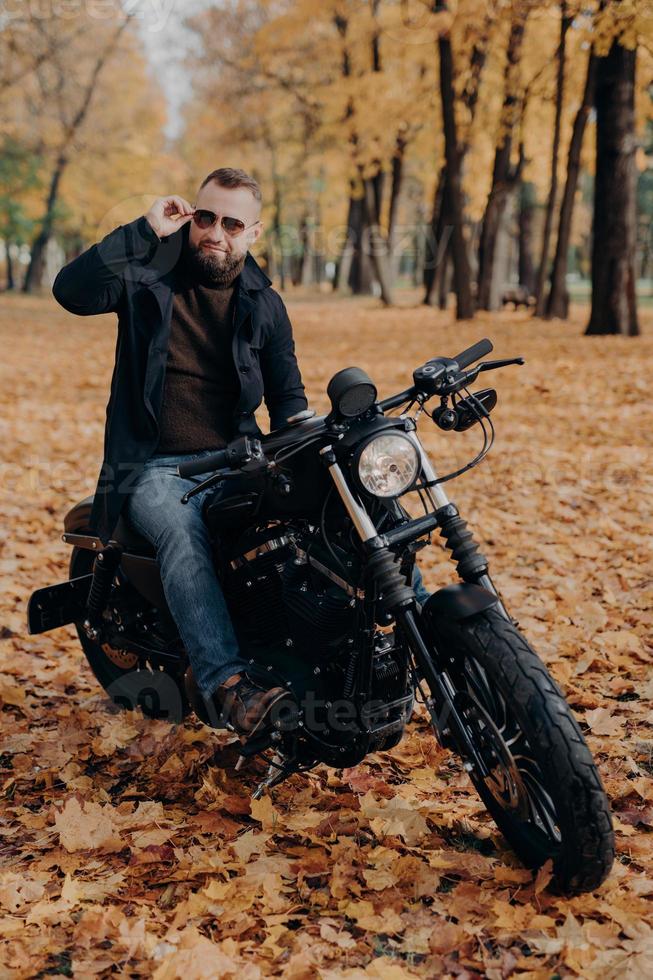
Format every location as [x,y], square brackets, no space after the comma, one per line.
[424,504]
[488,442]
[323,529]
[296,449]
[393,411]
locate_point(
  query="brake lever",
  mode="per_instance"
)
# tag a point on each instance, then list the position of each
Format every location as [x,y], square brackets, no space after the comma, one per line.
[465,379]
[259,462]
[210,480]
[491,365]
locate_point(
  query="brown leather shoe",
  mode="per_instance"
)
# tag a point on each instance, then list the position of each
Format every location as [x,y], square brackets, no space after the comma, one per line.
[248,707]
[239,701]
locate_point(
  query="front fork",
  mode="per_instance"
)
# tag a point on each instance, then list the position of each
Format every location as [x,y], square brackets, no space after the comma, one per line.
[471,565]
[399,597]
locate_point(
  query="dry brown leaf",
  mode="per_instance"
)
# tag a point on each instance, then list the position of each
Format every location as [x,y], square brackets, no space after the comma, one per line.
[200,883]
[602,722]
[84,826]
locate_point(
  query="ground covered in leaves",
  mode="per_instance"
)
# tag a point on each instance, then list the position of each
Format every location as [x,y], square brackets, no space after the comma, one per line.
[125,853]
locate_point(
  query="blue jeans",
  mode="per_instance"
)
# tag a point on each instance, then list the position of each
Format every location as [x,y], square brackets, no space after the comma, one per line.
[190,584]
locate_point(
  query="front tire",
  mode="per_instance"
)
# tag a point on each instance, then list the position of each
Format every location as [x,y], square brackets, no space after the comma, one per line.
[544,790]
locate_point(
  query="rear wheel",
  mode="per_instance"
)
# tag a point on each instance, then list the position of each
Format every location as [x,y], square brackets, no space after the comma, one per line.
[158,692]
[543,789]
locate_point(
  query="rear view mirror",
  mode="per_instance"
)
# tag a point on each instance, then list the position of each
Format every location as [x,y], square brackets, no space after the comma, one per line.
[469,409]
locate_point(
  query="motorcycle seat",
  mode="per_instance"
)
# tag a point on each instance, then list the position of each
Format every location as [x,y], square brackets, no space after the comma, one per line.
[131,539]
[77,521]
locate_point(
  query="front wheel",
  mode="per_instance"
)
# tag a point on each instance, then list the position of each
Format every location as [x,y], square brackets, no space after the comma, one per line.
[542,786]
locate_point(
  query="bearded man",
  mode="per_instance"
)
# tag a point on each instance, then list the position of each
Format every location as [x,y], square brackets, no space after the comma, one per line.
[202,339]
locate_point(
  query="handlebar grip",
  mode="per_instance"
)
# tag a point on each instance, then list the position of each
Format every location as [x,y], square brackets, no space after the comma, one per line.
[474,353]
[214,461]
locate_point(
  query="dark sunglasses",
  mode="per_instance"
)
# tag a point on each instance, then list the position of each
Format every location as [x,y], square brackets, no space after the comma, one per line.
[231,226]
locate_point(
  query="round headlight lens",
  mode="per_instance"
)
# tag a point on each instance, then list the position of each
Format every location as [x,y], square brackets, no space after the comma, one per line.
[388,465]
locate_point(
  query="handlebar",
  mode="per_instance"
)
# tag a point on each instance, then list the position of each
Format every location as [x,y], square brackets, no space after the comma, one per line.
[233,456]
[245,448]
[215,461]
[474,353]
[444,375]
[392,401]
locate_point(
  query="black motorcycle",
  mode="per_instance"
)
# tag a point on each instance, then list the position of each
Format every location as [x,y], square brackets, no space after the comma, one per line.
[315,554]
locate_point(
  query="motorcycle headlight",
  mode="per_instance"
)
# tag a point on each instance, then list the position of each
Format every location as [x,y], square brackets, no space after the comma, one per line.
[388,465]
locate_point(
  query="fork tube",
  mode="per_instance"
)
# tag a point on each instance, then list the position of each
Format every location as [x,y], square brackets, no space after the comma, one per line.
[441,500]
[360,518]
[436,494]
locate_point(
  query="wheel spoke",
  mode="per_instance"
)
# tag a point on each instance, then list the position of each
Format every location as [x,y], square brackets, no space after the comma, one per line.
[515,776]
[511,740]
[541,806]
[506,702]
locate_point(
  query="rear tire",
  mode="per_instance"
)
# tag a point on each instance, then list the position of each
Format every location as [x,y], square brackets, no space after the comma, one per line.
[159,693]
[548,783]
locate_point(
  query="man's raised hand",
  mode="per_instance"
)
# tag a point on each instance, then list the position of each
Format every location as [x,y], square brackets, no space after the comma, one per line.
[168,214]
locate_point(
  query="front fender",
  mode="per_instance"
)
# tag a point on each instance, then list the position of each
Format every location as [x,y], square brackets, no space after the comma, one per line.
[459,601]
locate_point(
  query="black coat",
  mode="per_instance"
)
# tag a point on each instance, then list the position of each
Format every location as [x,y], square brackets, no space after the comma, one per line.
[131,272]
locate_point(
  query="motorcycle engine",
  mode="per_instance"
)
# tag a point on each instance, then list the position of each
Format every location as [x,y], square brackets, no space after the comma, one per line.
[297,626]
[276,602]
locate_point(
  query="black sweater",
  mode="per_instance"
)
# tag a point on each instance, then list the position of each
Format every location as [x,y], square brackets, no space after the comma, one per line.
[201,383]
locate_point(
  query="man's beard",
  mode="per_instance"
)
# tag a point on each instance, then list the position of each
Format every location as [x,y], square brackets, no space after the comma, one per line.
[205,268]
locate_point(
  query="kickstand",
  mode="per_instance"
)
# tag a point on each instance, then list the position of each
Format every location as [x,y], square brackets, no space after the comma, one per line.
[279,769]
[255,746]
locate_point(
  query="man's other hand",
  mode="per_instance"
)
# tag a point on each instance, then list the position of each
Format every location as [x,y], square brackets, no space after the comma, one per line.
[168,214]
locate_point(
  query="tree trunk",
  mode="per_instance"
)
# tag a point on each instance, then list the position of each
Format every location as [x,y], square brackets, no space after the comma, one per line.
[462,277]
[374,239]
[645,260]
[419,245]
[35,267]
[361,275]
[437,249]
[344,261]
[318,246]
[614,303]
[306,259]
[444,281]
[504,175]
[11,282]
[34,274]
[558,301]
[540,297]
[354,267]
[373,192]
[432,256]
[277,222]
[393,212]
[526,217]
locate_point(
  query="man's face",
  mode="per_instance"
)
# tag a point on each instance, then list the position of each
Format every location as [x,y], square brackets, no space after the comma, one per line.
[214,251]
